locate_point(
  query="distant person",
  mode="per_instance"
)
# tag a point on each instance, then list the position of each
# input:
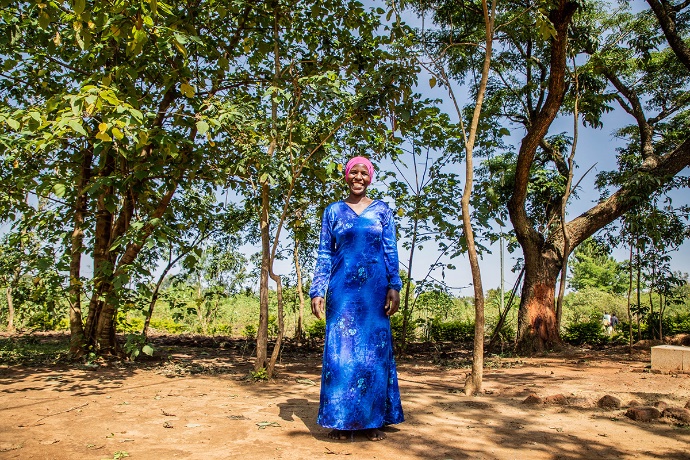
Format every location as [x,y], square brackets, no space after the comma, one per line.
[606,323]
[614,322]
[356,279]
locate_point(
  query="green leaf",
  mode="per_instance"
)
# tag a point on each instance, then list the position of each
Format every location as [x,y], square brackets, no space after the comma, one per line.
[432,82]
[77,127]
[43,20]
[79,6]
[202,126]
[14,124]
[59,190]
[147,350]
[187,90]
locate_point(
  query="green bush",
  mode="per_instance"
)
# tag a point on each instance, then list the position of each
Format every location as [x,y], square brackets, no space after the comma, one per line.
[249,331]
[129,325]
[167,325]
[44,321]
[316,330]
[678,323]
[590,332]
[397,328]
[451,331]
[221,329]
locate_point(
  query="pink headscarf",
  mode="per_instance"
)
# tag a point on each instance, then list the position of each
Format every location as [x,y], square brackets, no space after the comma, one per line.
[360,161]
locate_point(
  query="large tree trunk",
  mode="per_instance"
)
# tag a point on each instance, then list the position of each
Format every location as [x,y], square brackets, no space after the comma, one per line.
[97,339]
[537,322]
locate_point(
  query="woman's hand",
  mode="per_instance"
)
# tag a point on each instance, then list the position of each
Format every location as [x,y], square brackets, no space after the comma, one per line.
[317,305]
[392,302]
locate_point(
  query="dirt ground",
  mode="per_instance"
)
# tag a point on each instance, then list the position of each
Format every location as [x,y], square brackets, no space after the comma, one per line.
[195,402]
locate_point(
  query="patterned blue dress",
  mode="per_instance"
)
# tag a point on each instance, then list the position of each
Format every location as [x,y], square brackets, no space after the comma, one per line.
[357,263]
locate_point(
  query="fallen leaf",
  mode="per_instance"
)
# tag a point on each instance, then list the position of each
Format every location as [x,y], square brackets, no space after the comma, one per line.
[305,381]
[263,425]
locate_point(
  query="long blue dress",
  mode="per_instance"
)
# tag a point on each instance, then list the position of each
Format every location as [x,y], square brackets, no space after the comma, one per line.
[357,263]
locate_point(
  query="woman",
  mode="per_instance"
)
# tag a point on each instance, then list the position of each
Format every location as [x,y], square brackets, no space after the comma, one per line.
[358,265]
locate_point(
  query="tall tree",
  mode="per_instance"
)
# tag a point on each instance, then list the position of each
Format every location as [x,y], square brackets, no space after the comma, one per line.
[330,77]
[114,101]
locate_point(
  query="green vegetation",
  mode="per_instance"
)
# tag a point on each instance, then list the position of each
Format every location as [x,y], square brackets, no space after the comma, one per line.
[145,145]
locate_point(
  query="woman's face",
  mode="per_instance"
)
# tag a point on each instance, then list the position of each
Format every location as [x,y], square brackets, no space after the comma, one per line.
[358,179]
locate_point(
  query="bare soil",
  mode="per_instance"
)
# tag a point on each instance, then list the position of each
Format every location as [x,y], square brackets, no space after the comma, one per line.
[194,401]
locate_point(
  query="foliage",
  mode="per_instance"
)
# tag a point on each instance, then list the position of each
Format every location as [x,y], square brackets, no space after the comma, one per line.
[316,330]
[397,329]
[135,344]
[589,331]
[581,306]
[249,331]
[450,331]
[678,323]
[593,267]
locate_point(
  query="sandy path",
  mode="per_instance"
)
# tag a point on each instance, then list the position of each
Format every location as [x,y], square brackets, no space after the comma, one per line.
[164,412]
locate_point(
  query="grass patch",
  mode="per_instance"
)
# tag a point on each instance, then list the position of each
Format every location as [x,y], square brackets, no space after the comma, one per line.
[31,349]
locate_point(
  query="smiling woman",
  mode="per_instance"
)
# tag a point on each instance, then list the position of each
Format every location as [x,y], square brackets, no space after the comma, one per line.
[357,266]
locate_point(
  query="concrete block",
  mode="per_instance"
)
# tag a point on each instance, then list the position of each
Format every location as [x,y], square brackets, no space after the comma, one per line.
[671,358]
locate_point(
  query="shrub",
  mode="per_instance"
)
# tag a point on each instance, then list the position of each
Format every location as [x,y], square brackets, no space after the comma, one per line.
[451,331]
[590,332]
[316,330]
[678,323]
[249,331]
[397,328]
[221,329]
[167,325]
[44,321]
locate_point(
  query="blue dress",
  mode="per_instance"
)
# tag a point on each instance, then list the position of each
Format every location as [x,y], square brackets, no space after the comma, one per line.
[357,263]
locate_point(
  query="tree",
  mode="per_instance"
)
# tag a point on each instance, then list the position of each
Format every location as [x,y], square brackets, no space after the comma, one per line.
[114,102]
[442,52]
[543,246]
[330,71]
[594,267]
[426,204]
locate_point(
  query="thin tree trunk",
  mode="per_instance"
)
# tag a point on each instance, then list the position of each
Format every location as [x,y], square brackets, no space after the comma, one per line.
[406,305]
[651,303]
[270,369]
[564,203]
[76,322]
[103,267]
[474,384]
[661,314]
[262,332]
[266,254]
[639,292]
[10,307]
[299,333]
[630,288]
